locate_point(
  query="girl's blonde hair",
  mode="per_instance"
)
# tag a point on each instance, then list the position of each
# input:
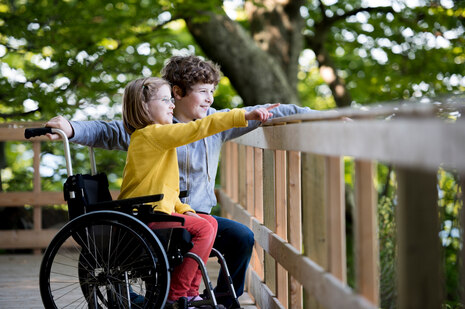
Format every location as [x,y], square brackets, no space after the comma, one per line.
[136,94]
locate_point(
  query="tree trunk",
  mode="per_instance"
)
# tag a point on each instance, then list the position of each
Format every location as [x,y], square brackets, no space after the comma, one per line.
[255,74]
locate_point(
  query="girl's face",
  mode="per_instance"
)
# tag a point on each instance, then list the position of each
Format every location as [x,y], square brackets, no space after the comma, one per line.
[195,104]
[160,107]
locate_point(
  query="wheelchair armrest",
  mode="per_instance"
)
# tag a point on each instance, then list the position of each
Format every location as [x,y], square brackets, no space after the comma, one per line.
[126,203]
[140,200]
[158,216]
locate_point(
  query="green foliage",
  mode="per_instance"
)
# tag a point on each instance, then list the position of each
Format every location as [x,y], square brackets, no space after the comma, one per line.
[395,53]
[450,204]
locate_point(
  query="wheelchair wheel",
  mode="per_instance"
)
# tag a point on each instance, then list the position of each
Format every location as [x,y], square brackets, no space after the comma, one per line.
[104,259]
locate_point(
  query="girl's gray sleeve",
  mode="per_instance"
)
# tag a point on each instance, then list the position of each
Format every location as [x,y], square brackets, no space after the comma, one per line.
[101,134]
[280,111]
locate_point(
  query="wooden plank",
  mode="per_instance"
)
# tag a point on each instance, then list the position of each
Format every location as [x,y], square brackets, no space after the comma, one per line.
[429,142]
[31,198]
[249,181]
[262,294]
[234,174]
[281,221]
[419,256]
[26,239]
[269,212]
[314,228]
[366,236]
[227,160]
[294,228]
[241,174]
[45,198]
[336,229]
[258,253]
[330,292]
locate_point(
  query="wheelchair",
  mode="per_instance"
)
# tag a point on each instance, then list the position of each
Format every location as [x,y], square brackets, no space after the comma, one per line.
[107,257]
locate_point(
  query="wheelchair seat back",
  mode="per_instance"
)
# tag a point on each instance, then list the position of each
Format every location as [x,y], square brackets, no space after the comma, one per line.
[83,190]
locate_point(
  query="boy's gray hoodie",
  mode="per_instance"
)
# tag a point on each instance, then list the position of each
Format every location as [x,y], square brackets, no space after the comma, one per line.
[198,161]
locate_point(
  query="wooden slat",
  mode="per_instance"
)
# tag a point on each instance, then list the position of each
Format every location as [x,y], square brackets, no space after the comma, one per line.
[258,253]
[419,257]
[314,228]
[281,221]
[249,181]
[335,191]
[366,236]
[234,174]
[269,214]
[294,221]
[429,142]
[241,173]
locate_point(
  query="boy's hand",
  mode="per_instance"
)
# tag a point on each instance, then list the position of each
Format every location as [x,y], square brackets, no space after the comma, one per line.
[262,114]
[59,122]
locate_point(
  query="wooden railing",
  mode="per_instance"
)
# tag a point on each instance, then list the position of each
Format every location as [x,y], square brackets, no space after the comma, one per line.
[286,182]
[36,238]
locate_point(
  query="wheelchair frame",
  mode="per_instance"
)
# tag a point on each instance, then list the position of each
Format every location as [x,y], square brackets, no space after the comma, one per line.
[106,256]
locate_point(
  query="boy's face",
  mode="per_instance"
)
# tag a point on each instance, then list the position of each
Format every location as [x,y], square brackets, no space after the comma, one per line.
[195,104]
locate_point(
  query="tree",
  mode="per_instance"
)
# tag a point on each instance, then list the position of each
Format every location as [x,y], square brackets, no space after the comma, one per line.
[63,56]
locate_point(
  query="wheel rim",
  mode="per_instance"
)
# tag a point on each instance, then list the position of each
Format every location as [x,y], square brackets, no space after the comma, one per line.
[104,261]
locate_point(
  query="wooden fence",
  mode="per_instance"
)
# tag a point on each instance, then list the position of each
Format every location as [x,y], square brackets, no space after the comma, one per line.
[36,238]
[286,182]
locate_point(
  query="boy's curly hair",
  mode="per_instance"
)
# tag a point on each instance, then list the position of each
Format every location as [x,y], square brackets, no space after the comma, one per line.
[187,71]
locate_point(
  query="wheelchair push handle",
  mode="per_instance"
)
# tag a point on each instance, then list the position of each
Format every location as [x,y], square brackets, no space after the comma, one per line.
[33,132]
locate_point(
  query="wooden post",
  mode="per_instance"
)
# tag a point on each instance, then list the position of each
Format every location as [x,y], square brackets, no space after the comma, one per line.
[419,258]
[37,210]
[337,264]
[281,221]
[366,235]
[314,214]
[294,228]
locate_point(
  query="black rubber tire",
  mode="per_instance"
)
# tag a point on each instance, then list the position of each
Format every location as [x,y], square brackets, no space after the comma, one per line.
[95,259]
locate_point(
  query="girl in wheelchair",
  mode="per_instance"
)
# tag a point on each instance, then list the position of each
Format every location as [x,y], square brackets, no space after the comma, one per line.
[152,167]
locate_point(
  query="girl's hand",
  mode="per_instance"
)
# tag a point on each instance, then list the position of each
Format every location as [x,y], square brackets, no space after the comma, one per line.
[262,114]
[192,214]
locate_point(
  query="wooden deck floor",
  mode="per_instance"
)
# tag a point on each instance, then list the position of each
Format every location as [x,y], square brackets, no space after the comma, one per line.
[19,282]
